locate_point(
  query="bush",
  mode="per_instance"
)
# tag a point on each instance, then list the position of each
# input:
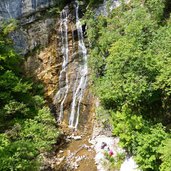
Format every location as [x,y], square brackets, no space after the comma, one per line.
[148,142]
[21,147]
[113,162]
[165,155]
[140,138]
[126,125]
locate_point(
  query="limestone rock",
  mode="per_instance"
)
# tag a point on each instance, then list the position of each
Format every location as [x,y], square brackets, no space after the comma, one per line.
[20,8]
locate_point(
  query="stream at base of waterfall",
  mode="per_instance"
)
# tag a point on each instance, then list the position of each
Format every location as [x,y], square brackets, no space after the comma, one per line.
[82,150]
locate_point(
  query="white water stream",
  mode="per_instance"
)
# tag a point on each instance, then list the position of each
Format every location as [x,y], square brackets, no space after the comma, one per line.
[83,71]
[61,95]
[80,72]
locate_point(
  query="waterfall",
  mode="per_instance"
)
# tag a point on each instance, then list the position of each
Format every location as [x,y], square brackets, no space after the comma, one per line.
[72,83]
[61,95]
[83,71]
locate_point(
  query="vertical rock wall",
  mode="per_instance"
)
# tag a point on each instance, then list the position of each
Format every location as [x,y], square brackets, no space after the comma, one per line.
[20,8]
[35,38]
[35,35]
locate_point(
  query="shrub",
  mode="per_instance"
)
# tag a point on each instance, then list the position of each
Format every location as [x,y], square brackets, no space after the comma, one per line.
[148,142]
[21,147]
[165,152]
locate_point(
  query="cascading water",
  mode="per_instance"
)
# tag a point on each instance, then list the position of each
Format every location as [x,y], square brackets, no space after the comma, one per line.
[83,71]
[61,95]
[78,75]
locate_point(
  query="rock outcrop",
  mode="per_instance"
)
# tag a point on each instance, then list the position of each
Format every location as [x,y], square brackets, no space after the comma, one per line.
[36,23]
[44,66]
[21,8]
[33,36]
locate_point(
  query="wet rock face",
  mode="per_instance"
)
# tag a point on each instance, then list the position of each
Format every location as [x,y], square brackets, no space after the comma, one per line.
[20,8]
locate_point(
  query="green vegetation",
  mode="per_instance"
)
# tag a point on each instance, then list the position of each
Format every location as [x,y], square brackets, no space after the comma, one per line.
[27,129]
[111,162]
[166,155]
[131,69]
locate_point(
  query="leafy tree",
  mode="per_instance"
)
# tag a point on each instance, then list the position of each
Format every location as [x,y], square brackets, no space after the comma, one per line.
[16,93]
[147,153]
[126,125]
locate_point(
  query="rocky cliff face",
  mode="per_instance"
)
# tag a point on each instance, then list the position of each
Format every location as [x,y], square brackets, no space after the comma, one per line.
[35,23]
[44,66]
[62,67]
[35,37]
[21,8]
